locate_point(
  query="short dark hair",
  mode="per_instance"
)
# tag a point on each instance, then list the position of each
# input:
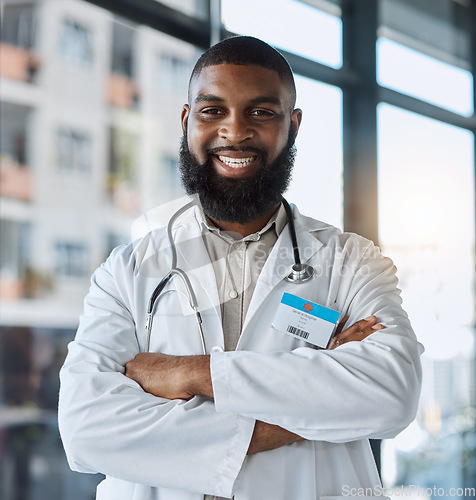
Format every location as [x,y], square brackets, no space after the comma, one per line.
[243,50]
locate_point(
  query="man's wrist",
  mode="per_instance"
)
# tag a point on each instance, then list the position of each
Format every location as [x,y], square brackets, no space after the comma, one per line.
[198,376]
[269,437]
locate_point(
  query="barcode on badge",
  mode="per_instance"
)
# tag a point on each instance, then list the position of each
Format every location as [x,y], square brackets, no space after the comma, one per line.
[298,332]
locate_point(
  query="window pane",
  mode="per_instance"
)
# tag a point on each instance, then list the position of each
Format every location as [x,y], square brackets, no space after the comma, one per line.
[418,75]
[317,179]
[73,150]
[290,25]
[85,147]
[123,41]
[18,24]
[426,223]
[196,8]
[75,42]
[14,254]
[438,28]
[71,259]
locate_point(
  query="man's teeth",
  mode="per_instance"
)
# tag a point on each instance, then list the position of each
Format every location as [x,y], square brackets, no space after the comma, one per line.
[236,162]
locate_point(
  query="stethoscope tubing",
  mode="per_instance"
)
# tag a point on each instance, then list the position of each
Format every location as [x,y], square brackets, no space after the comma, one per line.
[300,273]
[174,270]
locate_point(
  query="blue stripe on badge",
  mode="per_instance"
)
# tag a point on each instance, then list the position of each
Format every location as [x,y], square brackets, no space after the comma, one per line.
[310,308]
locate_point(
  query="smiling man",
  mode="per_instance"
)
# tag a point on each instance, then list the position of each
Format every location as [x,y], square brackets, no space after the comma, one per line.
[238,149]
[261,411]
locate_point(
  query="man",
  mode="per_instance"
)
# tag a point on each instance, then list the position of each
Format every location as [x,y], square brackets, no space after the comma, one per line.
[261,415]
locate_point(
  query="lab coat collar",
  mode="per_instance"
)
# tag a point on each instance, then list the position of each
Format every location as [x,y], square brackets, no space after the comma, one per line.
[188,236]
[192,253]
[193,259]
[279,262]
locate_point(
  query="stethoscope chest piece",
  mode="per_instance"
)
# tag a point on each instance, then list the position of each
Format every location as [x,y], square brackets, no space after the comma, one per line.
[300,273]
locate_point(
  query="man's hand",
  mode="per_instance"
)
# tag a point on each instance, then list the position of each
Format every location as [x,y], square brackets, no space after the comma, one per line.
[357,332]
[181,377]
[171,377]
[269,437]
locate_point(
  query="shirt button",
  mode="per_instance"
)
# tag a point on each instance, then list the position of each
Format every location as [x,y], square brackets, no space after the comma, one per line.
[216,348]
[233,294]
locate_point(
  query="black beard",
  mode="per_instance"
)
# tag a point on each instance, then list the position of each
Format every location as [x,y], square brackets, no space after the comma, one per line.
[237,200]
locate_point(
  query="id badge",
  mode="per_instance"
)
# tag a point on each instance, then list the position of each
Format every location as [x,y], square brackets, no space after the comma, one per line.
[305,320]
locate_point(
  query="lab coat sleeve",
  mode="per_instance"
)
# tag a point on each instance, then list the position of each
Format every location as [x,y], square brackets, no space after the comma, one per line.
[108,424]
[367,389]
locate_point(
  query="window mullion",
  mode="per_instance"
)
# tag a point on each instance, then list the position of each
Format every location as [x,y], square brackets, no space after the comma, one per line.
[360,119]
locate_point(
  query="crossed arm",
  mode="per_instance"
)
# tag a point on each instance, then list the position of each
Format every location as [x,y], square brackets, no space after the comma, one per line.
[108,421]
[181,377]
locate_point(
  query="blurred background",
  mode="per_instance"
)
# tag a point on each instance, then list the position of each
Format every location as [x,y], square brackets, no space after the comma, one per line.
[91,95]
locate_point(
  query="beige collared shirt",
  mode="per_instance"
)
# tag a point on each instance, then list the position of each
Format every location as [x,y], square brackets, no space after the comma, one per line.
[237,263]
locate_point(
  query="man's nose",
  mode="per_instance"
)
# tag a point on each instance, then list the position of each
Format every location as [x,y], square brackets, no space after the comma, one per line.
[236,128]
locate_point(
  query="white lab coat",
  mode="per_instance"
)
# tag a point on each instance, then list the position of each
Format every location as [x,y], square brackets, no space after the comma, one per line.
[155,449]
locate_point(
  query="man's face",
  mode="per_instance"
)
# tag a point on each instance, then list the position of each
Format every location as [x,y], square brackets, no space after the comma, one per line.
[239,126]
[240,115]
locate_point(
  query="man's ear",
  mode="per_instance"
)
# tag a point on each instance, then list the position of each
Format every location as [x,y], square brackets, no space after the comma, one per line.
[296,118]
[184,118]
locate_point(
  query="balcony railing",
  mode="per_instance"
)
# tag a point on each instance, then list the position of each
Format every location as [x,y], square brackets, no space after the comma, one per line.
[18,63]
[11,288]
[121,91]
[15,180]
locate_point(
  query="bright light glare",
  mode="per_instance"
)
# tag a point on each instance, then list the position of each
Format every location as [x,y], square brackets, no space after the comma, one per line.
[425,178]
[389,462]
[418,75]
[288,24]
[410,438]
[316,187]
[426,224]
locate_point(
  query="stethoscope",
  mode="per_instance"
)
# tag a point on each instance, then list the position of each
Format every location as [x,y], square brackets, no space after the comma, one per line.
[300,273]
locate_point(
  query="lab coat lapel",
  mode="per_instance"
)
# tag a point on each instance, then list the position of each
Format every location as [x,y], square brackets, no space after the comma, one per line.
[193,258]
[278,265]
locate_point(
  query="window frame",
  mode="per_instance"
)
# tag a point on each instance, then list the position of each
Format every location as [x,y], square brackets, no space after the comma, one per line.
[357,78]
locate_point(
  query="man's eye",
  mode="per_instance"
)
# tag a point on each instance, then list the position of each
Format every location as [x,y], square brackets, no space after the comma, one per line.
[211,111]
[262,112]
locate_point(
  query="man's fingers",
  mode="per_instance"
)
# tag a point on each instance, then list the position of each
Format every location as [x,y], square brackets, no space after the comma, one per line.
[363,327]
[356,332]
[340,326]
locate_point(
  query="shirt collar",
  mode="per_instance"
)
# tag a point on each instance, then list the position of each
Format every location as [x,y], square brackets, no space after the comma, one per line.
[277,221]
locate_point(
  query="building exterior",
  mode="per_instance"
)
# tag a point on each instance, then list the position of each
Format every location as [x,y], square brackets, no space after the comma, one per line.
[90,128]
[89,138]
